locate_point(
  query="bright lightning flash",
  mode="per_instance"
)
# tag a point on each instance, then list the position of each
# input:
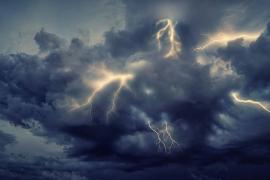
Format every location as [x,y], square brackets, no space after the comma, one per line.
[249,101]
[164,137]
[222,38]
[169,28]
[108,77]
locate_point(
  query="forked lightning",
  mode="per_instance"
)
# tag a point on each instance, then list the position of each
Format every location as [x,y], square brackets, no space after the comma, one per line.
[107,77]
[164,137]
[175,45]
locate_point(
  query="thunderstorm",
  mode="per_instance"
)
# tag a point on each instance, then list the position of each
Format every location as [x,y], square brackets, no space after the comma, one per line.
[221,38]
[175,45]
[237,98]
[164,137]
[107,77]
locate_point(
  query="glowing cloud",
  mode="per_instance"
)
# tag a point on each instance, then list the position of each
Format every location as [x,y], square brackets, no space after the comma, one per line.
[221,38]
[169,28]
[164,137]
[248,101]
[107,77]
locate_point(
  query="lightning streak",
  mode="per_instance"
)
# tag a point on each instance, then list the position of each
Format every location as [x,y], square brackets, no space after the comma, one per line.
[164,137]
[169,28]
[108,77]
[249,101]
[222,38]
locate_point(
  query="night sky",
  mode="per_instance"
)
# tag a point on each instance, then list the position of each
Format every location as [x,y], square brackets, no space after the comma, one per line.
[89,91]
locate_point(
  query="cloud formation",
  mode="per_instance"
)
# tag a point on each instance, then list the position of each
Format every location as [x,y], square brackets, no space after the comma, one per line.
[191,93]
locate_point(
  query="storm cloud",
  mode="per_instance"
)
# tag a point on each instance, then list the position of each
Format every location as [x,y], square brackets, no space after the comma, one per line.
[191,93]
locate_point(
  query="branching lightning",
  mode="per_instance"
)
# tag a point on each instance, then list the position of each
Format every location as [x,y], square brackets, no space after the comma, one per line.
[222,38]
[169,28]
[164,137]
[249,101]
[108,77]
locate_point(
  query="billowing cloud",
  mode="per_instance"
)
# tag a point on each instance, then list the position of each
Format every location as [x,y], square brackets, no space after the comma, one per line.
[48,41]
[191,94]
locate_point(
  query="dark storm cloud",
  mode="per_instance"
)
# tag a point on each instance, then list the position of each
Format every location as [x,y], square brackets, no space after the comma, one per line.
[250,62]
[28,84]
[42,168]
[253,61]
[201,16]
[181,91]
[48,41]
[125,43]
[5,139]
[36,88]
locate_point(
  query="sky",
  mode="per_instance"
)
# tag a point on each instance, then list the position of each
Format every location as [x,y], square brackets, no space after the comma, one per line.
[20,20]
[145,89]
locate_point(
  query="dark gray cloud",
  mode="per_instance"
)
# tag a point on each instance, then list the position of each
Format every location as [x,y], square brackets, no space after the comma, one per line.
[125,43]
[6,139]
[193,97]
[48,41]
[251,61]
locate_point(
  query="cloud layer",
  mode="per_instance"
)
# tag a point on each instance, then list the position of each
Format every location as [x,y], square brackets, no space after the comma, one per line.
[191,93]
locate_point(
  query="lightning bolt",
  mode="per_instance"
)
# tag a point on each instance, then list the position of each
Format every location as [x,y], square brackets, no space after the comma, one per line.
[169,28]
[164,137]
[222,38]
[108,77]
[249,101]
